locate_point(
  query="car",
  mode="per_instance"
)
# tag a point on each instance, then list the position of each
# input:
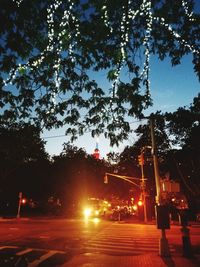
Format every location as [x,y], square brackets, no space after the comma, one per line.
[95,207]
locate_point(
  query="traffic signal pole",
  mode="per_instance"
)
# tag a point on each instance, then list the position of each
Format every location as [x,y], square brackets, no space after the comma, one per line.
[143,185]
[155,161]
[19,205]
[123,177]
[163,243]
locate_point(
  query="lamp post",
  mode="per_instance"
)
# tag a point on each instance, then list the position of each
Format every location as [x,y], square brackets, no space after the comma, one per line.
[19,204]
[143,181]
[161,211]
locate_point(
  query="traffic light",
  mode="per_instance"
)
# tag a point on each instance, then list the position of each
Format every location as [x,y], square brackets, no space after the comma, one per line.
[105,179]
[141,159]
[23,201]
[140,203]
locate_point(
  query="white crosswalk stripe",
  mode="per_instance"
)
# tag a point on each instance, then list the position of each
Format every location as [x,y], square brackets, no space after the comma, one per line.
[129,242]
[23,252]
[17,251]
[42,258]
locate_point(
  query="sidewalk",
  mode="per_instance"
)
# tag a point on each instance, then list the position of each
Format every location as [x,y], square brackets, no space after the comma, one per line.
[145,260]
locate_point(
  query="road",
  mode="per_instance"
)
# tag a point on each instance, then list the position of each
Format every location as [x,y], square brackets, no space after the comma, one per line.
[52,242]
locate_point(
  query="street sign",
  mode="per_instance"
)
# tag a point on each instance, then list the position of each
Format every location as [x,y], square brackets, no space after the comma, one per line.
[169,186]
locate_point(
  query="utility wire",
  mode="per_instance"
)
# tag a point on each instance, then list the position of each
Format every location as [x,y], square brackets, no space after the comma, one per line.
[89,131]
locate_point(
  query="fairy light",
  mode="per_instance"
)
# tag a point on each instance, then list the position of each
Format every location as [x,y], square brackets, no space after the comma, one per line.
[50,21]
[186,9]
[105,17]
[18,2]
[124,35]
[177,36]
[65,24]
[124,28]
[51,44]
[144,10]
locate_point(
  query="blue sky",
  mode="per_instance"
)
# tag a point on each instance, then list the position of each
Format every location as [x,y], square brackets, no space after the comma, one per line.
[171,87]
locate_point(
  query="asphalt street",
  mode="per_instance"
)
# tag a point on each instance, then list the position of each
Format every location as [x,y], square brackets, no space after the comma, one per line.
[53,242]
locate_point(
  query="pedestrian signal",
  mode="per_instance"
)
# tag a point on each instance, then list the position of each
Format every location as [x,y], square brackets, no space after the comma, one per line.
[141,159]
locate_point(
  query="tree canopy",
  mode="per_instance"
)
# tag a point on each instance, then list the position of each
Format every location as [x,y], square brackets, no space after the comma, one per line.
[74,174]
[19,144]
[177,138]
[50,51]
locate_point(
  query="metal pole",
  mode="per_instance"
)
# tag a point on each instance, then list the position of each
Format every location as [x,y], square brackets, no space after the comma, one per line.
[163,243]
[19,204]
[155,162]
[185,231]
[143,187]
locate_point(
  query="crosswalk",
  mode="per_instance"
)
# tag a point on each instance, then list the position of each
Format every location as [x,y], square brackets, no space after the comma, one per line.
[129,240]
[116,239]
[31,257]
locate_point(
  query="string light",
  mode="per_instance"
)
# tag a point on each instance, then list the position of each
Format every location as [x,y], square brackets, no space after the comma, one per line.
[64,25]
[18,2]
[177,36]
[50,21]
[51,10]
[124,28]
[144,11]
[105,17]
[186,9]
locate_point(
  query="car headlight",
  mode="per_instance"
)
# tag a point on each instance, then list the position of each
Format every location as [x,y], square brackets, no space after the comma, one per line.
[87,212]
[96,212]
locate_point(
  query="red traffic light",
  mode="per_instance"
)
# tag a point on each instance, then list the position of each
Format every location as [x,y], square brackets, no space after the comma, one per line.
[23,201]
[140,203]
